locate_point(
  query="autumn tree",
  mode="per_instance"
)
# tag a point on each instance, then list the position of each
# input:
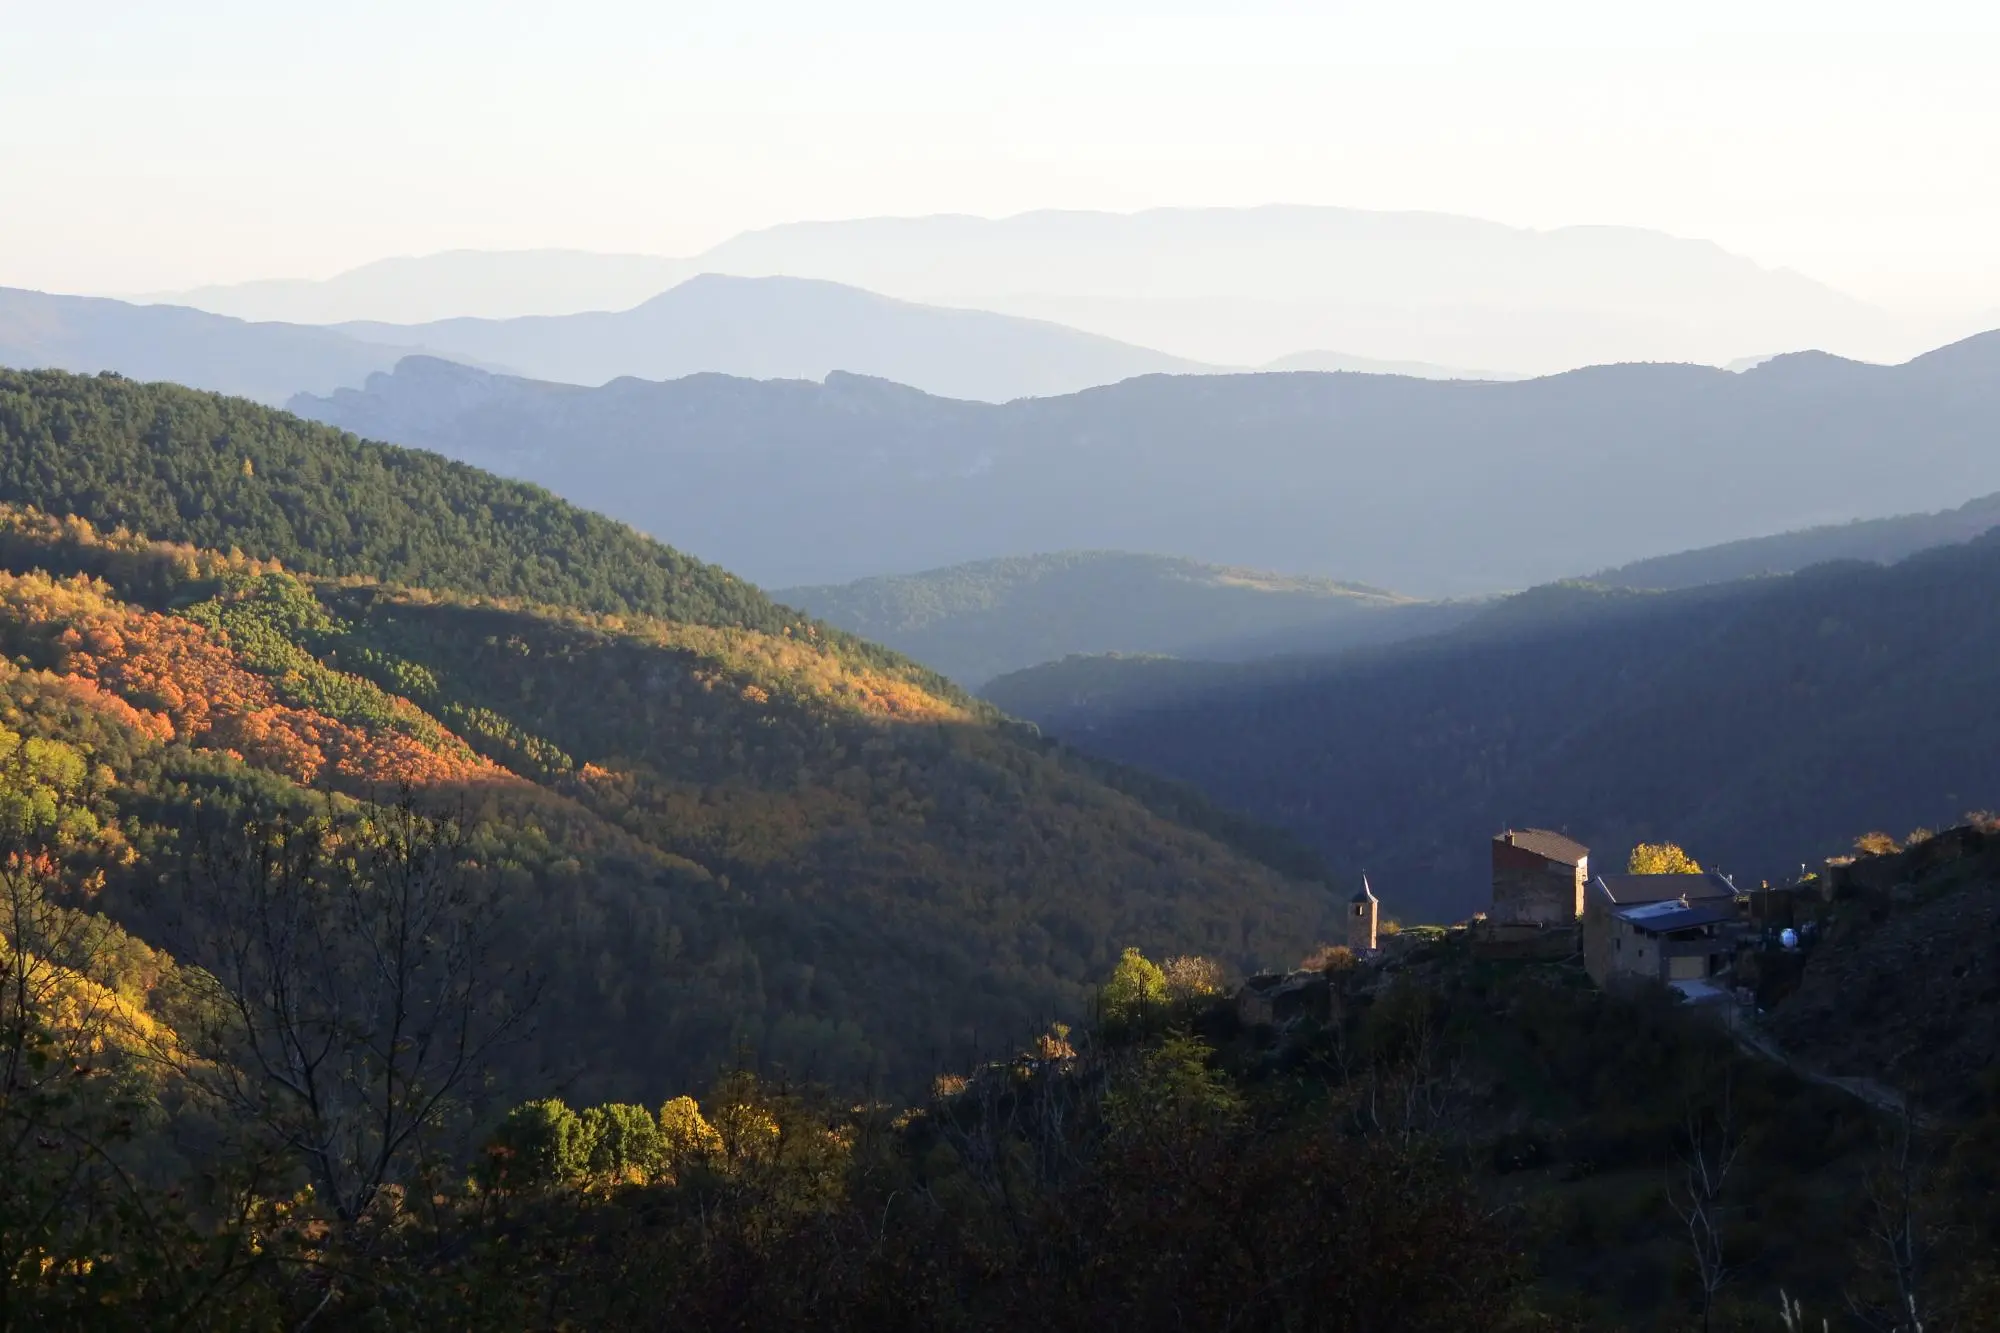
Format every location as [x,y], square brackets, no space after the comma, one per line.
[82,1242]
[1660,858]
[1191,977]
[1137,989]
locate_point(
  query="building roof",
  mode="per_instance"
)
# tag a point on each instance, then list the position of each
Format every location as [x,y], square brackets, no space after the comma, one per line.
[1626,890]
[1672,915]
[1367,895]
[1546,843]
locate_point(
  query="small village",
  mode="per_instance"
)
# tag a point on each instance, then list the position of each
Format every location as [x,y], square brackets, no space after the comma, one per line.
[1694,933]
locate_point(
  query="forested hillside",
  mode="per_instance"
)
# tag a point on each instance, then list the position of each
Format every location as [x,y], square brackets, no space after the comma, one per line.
[973,622]
[1736,719]
[1432,488]
[1879,539]
[223,473]
[718,828]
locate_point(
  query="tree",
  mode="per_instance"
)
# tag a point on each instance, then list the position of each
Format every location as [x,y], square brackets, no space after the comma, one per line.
[83,1243]
[60,1108]
[1137,988]
[1170,1098]
[1898,1245]
[350,998]
[1710,1153]
[1191,977]
[539,1143]
[686,1137]
[1660,858]
[624,1142]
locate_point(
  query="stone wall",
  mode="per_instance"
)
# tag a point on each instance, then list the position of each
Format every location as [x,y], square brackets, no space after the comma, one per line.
[1529,889]
[1597,931]
[1362,922]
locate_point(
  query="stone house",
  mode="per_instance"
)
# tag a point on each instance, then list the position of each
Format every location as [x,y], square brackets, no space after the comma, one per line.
[1538,878]
[1664,928]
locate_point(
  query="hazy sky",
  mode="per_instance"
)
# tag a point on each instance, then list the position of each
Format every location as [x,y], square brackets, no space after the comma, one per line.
[146,145]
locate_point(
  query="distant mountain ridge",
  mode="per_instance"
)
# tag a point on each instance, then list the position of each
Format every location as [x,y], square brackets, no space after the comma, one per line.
[1880,540]
[451,284]
[1432,488]
[265,362]
[1242,286]
[791,328]
[1228,287]
[976,621]
[1367,365]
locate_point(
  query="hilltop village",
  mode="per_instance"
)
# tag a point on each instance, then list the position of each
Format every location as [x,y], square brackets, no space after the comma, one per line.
[1691,931]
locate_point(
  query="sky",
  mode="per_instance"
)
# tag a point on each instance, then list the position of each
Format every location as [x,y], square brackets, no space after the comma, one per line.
[145,147]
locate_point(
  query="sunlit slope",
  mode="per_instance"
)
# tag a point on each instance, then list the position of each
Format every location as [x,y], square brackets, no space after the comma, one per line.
[733,833]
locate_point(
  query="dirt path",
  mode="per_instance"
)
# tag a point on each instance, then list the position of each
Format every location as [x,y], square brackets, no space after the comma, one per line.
[1754,1041]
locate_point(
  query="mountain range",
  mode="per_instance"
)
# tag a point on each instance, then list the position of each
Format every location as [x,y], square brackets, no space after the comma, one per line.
[1104,625]
[1429,488]
[268,362]
[1245,285]
[790,328]
[1229,287]
[763,328]
[1791,711]
[454,284]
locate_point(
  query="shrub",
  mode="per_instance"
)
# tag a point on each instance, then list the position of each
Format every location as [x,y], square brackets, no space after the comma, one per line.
[1328,958]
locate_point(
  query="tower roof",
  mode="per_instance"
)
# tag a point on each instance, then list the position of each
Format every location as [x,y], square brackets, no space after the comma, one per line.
[1367,895]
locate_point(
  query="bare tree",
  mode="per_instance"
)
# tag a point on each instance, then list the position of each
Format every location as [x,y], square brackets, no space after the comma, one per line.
[1895,1227]
[352,997]
[1696,1196]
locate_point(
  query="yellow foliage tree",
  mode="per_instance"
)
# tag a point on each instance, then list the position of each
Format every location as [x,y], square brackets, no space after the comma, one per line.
[686,1137]
[1137,987]
[1660,858]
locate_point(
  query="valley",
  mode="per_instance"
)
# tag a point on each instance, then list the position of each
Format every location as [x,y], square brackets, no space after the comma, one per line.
[712,668]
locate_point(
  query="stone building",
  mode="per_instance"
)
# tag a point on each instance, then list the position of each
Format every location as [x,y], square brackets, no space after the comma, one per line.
[1665,928]
[1363,919]
[1538,878]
